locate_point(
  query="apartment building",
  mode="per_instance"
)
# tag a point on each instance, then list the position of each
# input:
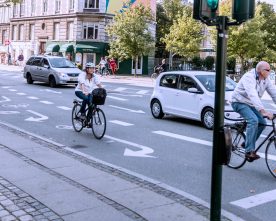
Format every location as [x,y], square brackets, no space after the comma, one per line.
[71,28]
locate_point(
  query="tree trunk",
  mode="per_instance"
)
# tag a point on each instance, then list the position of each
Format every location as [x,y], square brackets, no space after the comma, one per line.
[136,65]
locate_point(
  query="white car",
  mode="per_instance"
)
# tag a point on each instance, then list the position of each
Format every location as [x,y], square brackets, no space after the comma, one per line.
[188,94]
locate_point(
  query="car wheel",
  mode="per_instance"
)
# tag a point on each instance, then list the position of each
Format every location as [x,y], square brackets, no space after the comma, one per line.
[207,118]
[156,109]
[29,79]
[52,81]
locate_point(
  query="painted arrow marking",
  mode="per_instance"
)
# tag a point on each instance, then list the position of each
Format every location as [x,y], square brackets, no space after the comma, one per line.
[143,152]
[39,119]
[126,109]
[5,99]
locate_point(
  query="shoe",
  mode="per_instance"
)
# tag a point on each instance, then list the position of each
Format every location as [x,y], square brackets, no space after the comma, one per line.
[251,156]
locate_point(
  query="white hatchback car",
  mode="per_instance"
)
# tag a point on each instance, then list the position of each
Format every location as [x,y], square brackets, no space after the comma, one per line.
[188,94]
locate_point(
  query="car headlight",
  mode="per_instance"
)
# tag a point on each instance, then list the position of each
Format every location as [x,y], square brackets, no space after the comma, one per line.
[62,74]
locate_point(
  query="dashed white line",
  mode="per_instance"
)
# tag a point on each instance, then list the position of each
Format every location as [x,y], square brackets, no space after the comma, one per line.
[64,108]
[33,98]
[6,86]
[120,89]
[12,90]
[46,102]
[142,92]
[116,98]
[256,200]
[121,123]
[21,93]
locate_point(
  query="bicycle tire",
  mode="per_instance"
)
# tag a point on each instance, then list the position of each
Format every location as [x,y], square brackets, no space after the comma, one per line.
[76,121]
[270,153]
[98,123]
[237,158]
[154,76]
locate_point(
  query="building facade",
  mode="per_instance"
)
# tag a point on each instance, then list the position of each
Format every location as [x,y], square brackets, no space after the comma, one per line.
[71,28]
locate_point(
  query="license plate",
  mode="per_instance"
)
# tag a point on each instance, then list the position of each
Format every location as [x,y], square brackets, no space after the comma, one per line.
[73,79]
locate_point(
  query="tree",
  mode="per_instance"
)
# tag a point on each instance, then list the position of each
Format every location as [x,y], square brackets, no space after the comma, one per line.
[130,35]
[9,2]
[185,35]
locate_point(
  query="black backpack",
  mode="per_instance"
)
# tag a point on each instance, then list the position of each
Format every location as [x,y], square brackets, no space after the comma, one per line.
[99,95]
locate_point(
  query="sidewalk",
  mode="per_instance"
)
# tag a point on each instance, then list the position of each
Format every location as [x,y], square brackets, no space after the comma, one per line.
[44,180]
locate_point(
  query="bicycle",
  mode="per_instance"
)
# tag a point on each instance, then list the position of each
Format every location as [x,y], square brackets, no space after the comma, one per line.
[94,116]
[237,159]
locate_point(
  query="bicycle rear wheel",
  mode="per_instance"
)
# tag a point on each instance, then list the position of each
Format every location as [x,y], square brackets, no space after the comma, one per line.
[237,159]
[270,158]
[76,121]
[98,123]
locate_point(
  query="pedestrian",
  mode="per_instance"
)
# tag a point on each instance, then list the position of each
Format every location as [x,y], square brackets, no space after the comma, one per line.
[246,100]
[102,65]
[20,59]
[9,59]
[113,66]
[163,65]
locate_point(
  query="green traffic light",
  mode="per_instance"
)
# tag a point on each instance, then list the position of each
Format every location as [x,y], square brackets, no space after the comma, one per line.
[213,4]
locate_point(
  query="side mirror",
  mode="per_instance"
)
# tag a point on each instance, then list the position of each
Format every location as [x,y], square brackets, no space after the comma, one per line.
[46,66]
[194,90]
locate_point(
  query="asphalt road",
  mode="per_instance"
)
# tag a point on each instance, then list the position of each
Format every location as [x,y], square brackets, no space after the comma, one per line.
[174,151]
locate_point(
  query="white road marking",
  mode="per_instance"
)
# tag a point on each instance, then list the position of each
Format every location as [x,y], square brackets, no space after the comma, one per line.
[12,90]
[33,98]
[51,91]
[116,98]
[64,108]
[16,76]
[5,99]
[273,105]
[142,92]
[128,95]
[39,119]
[120,123]
[181,137]
[270,157]
[46,102]
[6,86]
[21,93]
[126,109]
[140,153]
[120,89]
[9,112]
[256,200]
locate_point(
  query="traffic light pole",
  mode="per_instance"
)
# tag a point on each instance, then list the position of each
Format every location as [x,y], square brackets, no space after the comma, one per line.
[216,183]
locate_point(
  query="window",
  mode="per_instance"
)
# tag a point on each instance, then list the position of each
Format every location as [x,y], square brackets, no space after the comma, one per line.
[71,5]
[91,4]
[90,31]
[15,10]
[36,62]
[21,33]
[57,6]
[14,32]
[33,6]
[4,36]
[56,31]
[186,82]
[70,31]
[22,8]
[44,62]
[169,80]
[45,6]
[32,32]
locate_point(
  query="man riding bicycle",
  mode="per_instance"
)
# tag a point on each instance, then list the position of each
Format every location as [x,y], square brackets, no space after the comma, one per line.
[86,83]
[246,100]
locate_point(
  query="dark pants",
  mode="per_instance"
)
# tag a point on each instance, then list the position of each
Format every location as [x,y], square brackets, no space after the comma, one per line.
[86,99]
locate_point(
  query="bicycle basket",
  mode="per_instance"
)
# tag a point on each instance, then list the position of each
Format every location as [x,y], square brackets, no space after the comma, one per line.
[99,95]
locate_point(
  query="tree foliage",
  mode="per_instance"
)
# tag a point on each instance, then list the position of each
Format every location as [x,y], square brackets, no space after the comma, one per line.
[129,33]
[9,2]
[185,35]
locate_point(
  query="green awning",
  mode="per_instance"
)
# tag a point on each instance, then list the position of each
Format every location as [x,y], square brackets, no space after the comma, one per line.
[52,48]
[82,48]
[67,48]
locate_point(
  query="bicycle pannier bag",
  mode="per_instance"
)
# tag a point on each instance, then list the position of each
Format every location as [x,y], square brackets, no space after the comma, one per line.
[99,95]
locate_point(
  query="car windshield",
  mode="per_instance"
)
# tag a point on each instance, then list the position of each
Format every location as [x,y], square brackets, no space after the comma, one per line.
[208,81]
[61,63]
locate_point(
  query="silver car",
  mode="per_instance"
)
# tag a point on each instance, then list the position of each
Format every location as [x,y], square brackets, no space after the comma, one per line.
[51,69]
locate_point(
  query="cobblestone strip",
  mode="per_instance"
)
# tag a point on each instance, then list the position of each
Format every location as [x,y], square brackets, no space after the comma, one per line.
[16,205]
[198,208]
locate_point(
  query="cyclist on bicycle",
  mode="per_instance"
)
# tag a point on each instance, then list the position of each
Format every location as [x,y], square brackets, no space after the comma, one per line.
[246,100]
[86,83]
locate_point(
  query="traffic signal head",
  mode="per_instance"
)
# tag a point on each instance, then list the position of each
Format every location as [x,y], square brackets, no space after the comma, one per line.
[205,9]
[243,10]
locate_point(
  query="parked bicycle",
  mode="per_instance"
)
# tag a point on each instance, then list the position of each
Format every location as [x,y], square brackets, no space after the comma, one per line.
[95,117]
[237,159]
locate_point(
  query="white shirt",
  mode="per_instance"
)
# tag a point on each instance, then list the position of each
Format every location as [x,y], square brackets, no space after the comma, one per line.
[88,85]
[102,63]
[249,90]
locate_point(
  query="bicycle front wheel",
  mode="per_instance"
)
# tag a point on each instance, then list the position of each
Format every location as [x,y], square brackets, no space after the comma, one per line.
[270,158]
[237,159]
[98,123]
[76,121]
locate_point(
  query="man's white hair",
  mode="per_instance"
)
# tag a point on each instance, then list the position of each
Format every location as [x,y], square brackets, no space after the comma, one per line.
[261,66]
